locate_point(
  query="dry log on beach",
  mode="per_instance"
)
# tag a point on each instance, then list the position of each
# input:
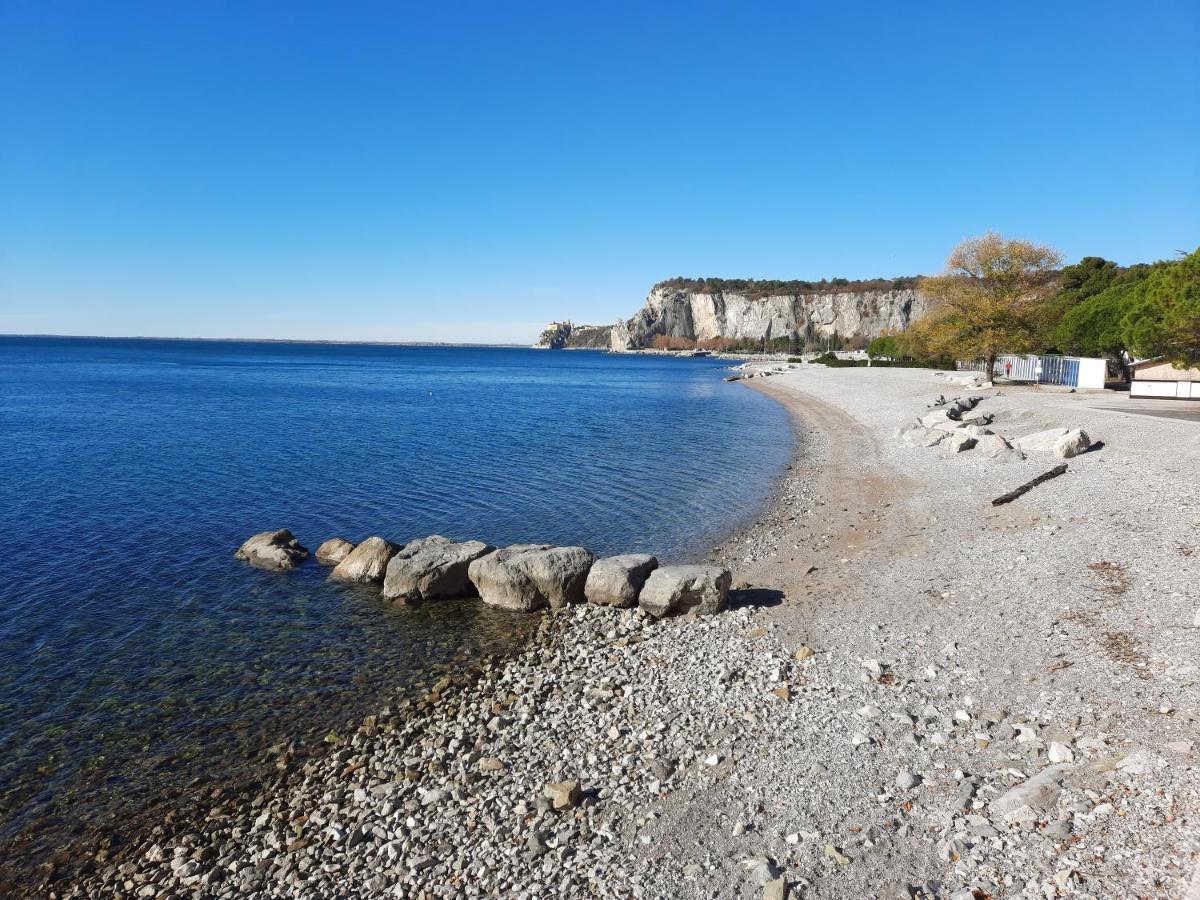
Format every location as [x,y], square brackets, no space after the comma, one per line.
[1029,485]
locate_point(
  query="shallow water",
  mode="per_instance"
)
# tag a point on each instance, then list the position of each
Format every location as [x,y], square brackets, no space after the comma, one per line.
[134,651]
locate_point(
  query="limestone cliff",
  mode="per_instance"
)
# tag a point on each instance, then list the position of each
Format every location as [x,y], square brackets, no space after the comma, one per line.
[568,335]
[702,315]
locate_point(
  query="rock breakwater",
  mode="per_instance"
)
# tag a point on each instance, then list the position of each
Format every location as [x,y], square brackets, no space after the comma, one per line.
[520,577]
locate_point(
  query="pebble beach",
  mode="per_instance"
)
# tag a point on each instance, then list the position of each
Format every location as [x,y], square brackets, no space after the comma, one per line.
[913,694]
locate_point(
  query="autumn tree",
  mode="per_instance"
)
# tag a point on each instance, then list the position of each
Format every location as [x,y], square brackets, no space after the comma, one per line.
[990,300]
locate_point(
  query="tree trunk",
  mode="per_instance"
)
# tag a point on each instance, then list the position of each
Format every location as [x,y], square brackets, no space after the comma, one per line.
[990,369]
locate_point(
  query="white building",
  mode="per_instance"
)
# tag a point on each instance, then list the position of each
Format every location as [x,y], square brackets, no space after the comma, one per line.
[1158,378]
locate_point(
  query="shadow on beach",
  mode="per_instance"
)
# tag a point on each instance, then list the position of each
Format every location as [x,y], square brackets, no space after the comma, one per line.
[756,597]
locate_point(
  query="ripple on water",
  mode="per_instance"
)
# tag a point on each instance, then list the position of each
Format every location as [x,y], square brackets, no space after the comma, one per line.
[136,654]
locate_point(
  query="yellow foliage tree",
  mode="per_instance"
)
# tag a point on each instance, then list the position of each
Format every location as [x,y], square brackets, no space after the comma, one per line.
[991,299]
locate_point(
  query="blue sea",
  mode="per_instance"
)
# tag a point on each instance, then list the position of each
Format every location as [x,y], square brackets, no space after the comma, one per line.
[136,654]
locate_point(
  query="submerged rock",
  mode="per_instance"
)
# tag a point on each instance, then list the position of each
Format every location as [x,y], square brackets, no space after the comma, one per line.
[531,576]
[272,550]
[367,562]
[333,551]
[432,568]
[681,589]
[617,580]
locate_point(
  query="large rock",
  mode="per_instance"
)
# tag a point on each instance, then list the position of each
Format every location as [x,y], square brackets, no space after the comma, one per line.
[681,589]
[938,417]
[531,576]
[272,550]
[432,568]
[617,580]
[923,437]
[333,551]
[995,447]
[1072,443]
[958,442]
[1040,441]
[367,562]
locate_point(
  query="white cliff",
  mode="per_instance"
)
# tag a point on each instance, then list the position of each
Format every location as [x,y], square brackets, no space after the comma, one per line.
[707,315]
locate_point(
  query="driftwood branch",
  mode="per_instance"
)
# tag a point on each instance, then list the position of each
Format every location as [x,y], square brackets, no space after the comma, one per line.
[1029,485]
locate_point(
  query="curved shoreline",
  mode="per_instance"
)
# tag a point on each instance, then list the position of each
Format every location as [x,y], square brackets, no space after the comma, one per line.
[184,808]
[849,727]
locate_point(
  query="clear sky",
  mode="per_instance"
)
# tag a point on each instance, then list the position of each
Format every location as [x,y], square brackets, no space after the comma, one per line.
[468,171]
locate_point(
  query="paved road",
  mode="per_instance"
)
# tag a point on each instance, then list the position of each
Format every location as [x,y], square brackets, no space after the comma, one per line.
[1188,410]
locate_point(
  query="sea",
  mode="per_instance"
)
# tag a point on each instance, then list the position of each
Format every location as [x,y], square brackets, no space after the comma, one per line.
[138,656]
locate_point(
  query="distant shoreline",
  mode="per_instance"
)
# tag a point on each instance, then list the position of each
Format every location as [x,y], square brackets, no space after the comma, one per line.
[234,340]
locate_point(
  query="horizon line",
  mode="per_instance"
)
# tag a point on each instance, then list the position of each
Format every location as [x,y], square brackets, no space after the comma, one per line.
[258,340]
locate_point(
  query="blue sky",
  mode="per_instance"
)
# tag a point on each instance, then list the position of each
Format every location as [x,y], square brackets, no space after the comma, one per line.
[396,171]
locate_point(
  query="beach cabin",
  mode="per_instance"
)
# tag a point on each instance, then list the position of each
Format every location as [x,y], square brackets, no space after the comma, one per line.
[1085,373]
[1158,378]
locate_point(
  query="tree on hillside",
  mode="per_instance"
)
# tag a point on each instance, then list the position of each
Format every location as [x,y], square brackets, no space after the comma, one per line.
[991,298]
[1164,315]
[1076,283]
[1094,325]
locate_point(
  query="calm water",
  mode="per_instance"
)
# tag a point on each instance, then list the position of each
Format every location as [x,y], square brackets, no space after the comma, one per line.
[134,649]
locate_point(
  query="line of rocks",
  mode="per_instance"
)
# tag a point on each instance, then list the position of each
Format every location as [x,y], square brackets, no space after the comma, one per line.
[956,426]
[519,577]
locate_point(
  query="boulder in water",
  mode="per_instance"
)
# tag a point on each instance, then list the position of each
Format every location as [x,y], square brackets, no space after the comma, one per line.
[272,550]
[531,576]
[333,551]
[617,580]
[366,563]
[432,568]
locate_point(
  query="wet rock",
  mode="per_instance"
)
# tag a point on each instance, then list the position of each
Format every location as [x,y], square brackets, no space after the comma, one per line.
[526,577]
[366,563]
[272,550]
[432,568]
[333,551]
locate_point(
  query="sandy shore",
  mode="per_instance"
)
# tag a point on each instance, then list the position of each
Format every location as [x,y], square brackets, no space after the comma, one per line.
[998,701]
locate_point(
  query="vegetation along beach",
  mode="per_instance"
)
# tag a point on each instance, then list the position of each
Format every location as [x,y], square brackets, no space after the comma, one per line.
[617,451]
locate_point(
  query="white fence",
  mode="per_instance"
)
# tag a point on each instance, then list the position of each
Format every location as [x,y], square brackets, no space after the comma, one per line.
[1168,390]
[1071,371]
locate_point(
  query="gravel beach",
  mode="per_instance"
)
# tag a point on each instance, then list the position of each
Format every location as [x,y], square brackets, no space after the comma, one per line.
[914,694]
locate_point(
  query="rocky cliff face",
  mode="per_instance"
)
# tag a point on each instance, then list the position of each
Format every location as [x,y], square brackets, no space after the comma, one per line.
[676,312]
[568,335]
